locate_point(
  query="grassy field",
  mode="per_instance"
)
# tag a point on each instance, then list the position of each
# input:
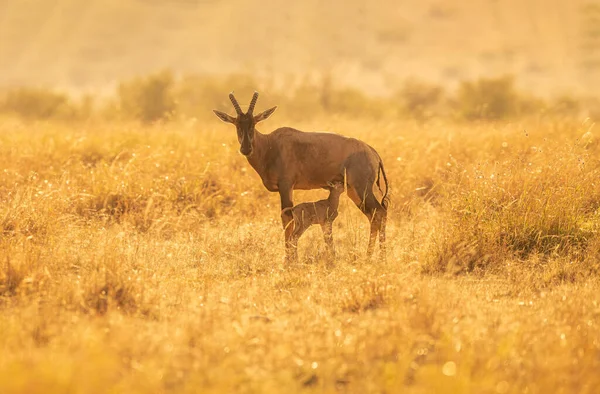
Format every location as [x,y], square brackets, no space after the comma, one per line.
[150,259]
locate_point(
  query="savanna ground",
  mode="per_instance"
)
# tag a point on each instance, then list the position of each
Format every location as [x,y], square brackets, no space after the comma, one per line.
[149,258]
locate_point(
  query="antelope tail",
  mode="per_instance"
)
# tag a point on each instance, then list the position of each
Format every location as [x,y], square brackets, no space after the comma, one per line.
[385,201]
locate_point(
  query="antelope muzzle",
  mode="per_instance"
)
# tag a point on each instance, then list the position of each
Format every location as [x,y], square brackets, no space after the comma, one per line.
[246,146]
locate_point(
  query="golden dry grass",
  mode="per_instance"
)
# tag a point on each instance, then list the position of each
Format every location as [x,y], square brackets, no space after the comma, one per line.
[149,259]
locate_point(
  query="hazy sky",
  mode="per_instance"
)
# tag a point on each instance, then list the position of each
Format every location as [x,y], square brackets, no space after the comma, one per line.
[369,44]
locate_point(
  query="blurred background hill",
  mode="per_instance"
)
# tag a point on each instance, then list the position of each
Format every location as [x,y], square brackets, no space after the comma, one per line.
[550,46]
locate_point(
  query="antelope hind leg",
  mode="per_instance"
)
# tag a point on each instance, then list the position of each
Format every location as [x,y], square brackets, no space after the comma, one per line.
[382,241]
[376,213]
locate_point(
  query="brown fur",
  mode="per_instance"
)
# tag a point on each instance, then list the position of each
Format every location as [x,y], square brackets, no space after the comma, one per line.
[288,159]
[322,212]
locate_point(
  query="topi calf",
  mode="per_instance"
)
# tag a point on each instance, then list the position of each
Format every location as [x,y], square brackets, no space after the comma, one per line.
[322,212]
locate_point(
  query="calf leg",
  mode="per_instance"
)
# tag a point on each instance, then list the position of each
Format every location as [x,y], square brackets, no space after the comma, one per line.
[299,229]
[287,219]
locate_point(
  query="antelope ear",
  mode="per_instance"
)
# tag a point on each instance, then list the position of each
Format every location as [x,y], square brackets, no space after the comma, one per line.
[224,117]
[264,115]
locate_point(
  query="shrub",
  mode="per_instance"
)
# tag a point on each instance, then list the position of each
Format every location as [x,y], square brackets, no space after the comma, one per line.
[37,103]
[353,102]
[419,99]
[148,99]
[487,98]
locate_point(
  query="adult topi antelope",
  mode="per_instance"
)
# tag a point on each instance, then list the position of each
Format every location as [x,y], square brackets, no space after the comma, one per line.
[289,159]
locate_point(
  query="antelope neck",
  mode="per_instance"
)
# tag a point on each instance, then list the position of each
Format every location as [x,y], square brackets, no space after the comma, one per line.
[260,146]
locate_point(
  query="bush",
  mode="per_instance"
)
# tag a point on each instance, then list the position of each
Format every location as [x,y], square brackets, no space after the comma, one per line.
[354,102]
[488,98]
[159,96]
[420,100]
[148,99]
[35,103]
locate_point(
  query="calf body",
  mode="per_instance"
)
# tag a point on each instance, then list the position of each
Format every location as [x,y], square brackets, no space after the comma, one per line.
[322,212]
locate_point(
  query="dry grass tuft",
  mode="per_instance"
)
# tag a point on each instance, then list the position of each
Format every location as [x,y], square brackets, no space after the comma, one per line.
[366,296]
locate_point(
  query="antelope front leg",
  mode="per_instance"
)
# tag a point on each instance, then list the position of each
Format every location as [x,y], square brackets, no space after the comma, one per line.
[287,219]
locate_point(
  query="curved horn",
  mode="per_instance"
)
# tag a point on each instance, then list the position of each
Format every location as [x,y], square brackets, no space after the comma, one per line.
[235,104]
[252,103]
